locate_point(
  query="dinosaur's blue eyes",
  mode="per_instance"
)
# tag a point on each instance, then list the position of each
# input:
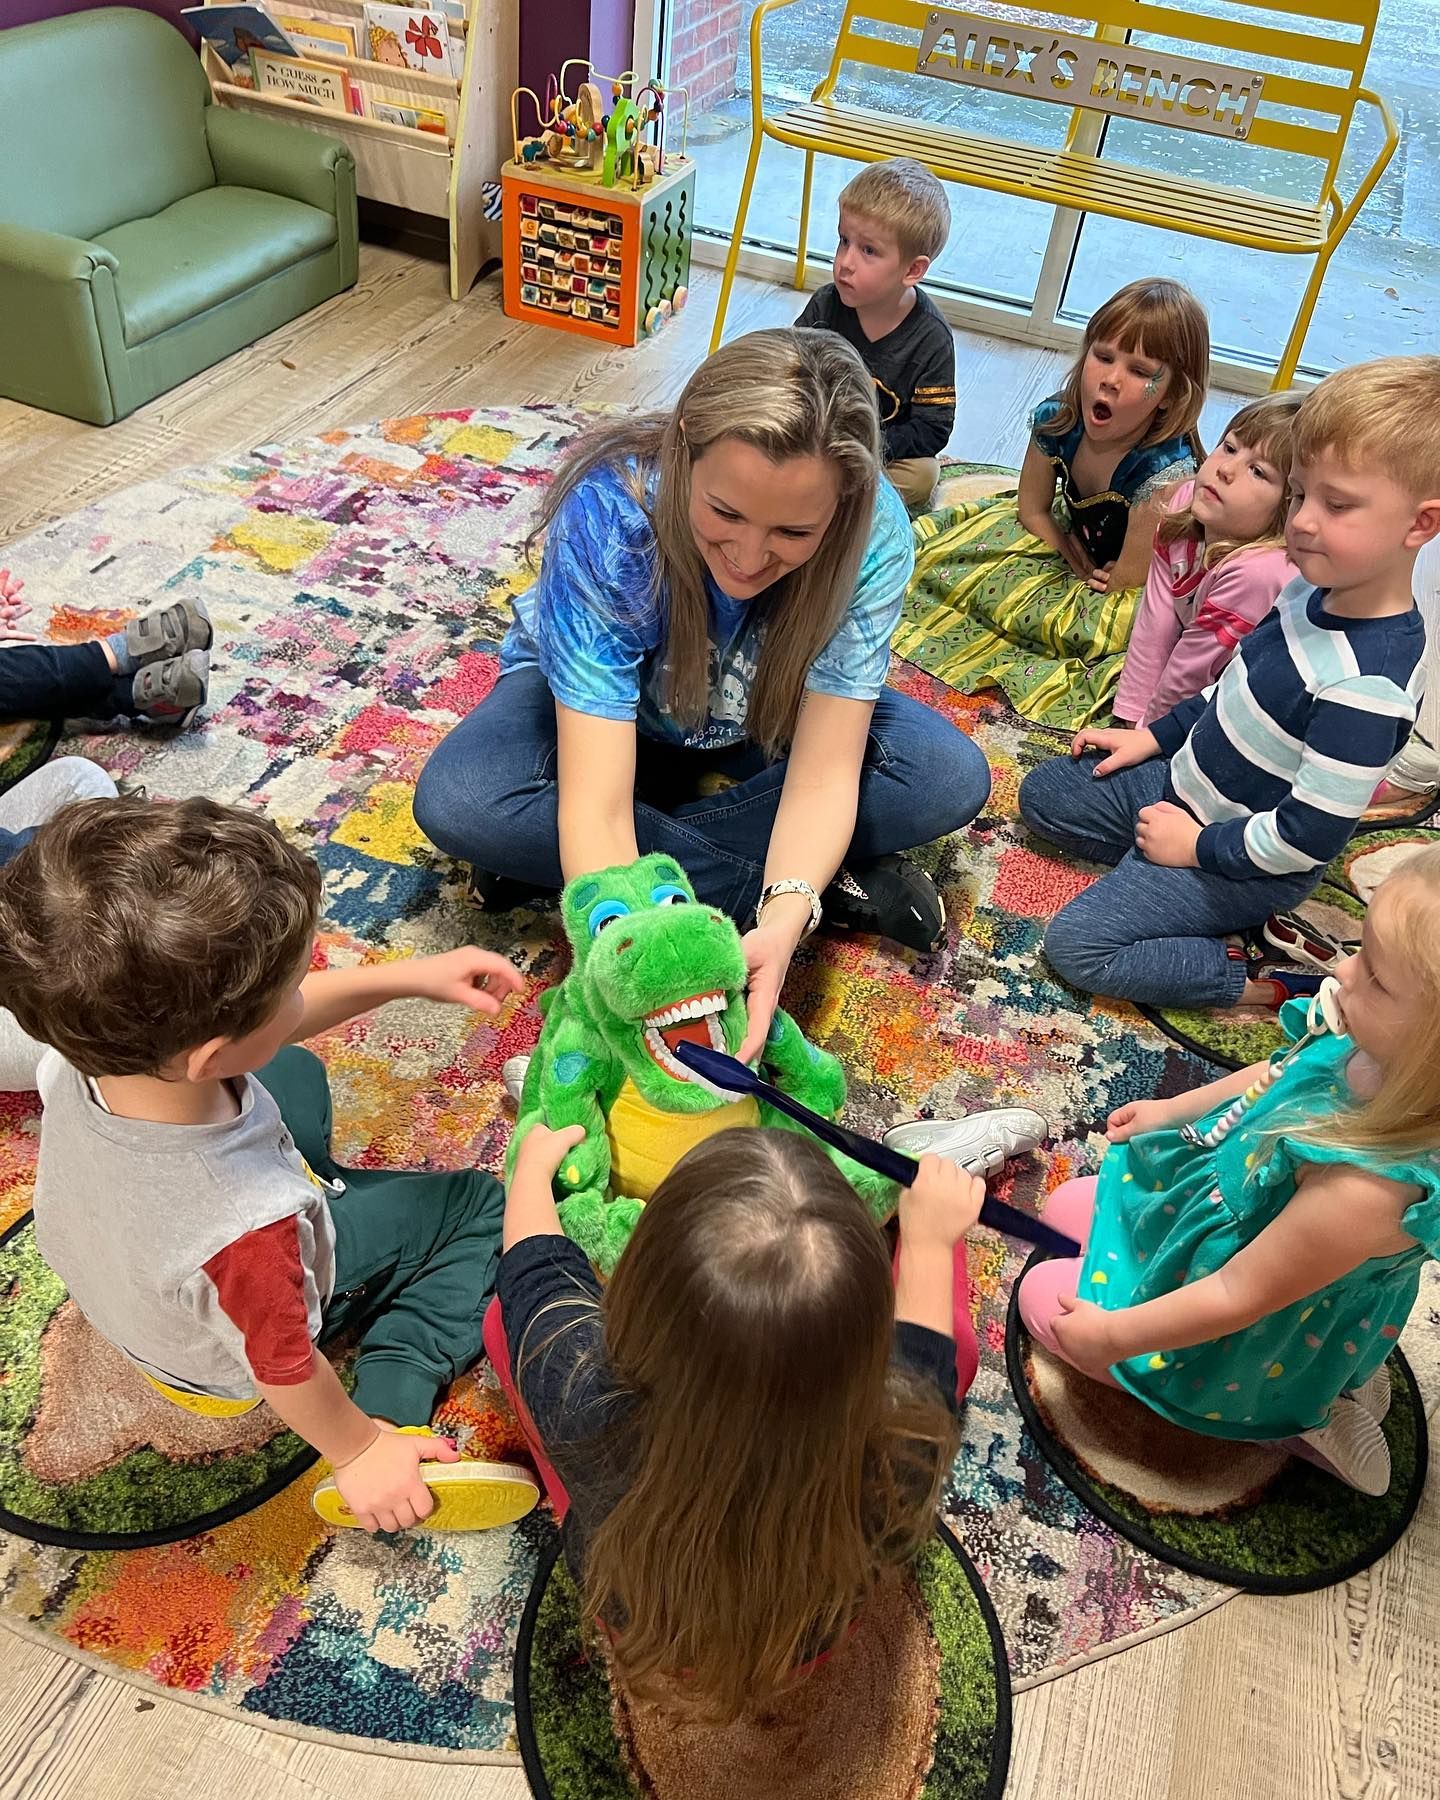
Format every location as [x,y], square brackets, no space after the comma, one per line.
[605,914]
[668,895]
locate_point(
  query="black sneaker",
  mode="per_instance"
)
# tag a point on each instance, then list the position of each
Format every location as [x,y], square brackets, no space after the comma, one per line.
[499,893]
[890,897]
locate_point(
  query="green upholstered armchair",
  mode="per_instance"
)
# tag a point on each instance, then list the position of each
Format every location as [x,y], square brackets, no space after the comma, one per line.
[144,233]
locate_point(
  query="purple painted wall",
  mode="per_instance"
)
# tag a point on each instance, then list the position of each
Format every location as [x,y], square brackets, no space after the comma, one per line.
[26,12]
[603,30]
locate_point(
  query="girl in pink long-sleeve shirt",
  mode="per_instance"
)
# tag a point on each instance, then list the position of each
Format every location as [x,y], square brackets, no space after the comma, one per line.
[1218,564]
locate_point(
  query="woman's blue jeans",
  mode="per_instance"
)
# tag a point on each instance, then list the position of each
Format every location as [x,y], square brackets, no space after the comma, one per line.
[488,794]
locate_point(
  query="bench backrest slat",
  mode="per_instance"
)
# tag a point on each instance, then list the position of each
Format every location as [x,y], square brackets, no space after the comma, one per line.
[1315,114]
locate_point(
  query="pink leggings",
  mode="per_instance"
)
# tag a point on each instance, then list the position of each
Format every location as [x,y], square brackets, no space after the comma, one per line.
[1070,1209]
[497,1348]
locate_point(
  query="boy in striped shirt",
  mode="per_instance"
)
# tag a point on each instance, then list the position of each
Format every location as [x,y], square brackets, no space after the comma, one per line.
[1229,807]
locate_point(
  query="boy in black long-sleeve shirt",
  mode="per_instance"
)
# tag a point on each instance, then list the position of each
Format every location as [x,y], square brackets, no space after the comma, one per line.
[894,220]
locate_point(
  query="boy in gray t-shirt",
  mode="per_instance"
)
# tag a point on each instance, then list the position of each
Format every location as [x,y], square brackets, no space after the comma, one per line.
[186,1193]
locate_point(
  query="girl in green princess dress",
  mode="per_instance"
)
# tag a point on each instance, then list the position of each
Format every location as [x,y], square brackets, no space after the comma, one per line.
[1247,1268]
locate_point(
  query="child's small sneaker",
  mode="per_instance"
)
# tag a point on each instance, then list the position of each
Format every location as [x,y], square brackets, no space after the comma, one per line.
[1301,943]
[166,632]
[980,1142]
[1351,1447]
[513,1075]
[1290,984]
[469,1496]
[171,693]
[1375,1395]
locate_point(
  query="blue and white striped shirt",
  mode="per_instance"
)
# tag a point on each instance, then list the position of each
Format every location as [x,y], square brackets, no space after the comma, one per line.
[1279,758]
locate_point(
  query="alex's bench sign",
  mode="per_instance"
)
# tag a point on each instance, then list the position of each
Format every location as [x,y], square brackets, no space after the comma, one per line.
[1008,57]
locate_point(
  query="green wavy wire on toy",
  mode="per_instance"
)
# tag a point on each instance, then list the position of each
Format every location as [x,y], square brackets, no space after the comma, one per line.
[653,967]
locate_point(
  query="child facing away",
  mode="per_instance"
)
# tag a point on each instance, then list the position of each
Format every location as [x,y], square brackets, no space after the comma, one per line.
[1036,593]
[1227,809]
[752,1422]
[156,668]
[186,1193]
[894,221]
[1254,1289]
[1217,566]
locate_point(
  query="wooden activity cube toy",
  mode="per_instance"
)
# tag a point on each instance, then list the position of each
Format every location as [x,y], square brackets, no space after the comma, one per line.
[610,262]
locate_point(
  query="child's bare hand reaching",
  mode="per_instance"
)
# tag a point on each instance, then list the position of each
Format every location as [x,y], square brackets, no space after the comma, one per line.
[942,1206]
[382,1485]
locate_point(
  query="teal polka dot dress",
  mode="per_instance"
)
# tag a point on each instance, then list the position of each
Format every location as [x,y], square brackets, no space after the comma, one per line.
[1168,1213]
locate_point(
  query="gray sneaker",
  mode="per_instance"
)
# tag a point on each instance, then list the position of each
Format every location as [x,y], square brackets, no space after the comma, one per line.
[980,1142]
[1375,1396]
[513,1075]
[171,693]
[168,631]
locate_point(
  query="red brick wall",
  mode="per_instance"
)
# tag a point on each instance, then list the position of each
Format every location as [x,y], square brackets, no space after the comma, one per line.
[704,43]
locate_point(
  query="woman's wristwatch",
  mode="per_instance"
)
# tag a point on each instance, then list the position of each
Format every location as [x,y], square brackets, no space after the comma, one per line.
[776,888]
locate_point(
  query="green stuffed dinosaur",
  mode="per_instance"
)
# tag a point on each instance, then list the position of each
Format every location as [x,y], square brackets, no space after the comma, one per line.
[652,968]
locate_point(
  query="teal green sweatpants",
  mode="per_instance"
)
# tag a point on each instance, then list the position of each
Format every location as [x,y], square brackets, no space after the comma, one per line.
[415,1256]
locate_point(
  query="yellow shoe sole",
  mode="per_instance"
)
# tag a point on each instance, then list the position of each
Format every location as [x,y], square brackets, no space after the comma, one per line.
[469,1496]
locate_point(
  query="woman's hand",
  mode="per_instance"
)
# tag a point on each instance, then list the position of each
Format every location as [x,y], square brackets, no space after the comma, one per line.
[1083,1331]
[768,949]
[1120,749]
[469,977]
[1099,580]
[1137,1117]
[1166,835]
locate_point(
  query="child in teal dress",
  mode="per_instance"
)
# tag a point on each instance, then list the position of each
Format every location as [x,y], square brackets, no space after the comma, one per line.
[1253,1287]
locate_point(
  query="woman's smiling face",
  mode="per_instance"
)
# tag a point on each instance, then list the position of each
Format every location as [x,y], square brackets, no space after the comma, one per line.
[755,520]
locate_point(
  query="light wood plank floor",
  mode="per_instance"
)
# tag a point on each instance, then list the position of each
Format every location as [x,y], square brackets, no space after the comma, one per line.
[1332,1696]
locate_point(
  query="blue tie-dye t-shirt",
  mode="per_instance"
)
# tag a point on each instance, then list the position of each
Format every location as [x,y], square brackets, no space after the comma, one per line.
[595,627]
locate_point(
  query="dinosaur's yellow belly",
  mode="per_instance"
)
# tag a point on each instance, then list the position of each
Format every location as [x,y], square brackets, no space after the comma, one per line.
[645,1143]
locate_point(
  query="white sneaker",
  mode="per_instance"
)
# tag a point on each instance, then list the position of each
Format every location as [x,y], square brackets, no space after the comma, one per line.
[513,1075]
[1375,1396]
[980,1142]
[1351,1447]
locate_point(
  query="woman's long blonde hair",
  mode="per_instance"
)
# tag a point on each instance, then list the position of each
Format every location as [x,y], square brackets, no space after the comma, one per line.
[1166,321]
[786,393]
[772,1462]
[1266,427]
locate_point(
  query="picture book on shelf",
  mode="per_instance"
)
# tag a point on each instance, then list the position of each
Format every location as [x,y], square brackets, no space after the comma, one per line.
[408,37]
[232,32]
[320,36]
[416,118]
[289,77]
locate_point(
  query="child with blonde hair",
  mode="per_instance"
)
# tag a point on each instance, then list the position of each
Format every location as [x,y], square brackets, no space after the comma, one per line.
[1248,1277]
[894,220]
[1217,566]
[1037,593]
[1226,810]
[753,1421]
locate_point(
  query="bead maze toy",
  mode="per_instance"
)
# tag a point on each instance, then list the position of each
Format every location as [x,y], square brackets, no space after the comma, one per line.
[598,212]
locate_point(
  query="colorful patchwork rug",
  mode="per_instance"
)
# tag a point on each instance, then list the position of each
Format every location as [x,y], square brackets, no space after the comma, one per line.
[359,584]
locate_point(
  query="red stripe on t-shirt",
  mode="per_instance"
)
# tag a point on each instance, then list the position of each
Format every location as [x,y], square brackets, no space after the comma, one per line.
[260,1282]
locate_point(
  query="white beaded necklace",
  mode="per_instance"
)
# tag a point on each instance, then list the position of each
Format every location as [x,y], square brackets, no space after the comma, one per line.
[1322,1016]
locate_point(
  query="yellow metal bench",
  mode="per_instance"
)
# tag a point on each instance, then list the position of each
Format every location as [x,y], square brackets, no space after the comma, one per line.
[1095,72]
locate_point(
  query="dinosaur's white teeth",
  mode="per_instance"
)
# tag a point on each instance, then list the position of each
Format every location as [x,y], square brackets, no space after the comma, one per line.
[697,1008]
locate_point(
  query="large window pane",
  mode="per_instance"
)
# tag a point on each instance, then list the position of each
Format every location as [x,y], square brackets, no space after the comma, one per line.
[1380,294]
